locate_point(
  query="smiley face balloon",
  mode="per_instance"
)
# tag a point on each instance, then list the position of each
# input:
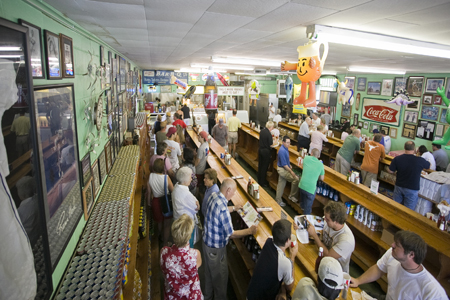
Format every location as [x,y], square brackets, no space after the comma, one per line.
[309,69]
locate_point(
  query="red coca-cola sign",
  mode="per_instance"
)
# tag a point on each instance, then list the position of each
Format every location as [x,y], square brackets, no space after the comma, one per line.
[380,113]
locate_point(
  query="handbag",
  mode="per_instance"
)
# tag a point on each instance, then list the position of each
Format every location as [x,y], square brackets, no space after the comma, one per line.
[166,201]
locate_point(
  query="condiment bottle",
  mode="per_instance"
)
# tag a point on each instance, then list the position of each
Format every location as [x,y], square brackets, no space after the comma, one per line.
[319,258]
[441,222]
[249,184]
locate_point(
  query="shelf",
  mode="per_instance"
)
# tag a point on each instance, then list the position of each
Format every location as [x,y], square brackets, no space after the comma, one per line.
[384,180]
[246,255]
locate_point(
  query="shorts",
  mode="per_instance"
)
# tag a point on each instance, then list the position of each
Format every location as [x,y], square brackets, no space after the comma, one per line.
[157,212]
[232,137]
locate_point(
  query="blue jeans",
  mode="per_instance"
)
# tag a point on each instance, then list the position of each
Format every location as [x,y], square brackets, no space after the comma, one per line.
[306,201]
[407,197]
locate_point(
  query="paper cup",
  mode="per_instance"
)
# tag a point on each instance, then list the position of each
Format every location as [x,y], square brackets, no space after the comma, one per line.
[346,279]
[293,240]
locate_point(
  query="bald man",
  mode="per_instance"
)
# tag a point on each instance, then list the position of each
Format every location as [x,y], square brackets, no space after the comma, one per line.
[218,230]
[303,135]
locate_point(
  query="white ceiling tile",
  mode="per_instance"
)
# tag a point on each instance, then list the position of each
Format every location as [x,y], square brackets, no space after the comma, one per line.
[241,35]
[133,2]
[168,29]
[288,35]
[332,4]
[176,10]
[250,8]
[287,16]
[219,24]
[164,41]
[426,15]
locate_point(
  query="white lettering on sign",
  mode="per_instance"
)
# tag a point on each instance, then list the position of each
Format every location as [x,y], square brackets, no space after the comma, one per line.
[230,90]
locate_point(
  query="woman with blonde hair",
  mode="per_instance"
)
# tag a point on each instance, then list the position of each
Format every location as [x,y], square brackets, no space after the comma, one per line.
[180,263]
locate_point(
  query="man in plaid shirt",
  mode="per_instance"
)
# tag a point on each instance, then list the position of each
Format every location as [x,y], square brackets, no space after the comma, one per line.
[218,230]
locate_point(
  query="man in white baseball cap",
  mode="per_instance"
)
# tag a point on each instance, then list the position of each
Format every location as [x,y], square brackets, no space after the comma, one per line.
[331,279]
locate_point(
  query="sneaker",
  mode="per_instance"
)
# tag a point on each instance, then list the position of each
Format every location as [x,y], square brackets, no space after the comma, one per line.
[282,204]
[293,199]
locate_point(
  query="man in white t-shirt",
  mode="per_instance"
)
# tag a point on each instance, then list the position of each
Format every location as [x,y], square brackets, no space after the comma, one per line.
[407,277]
[338,240]
[316,119]
[173,149]
[424,153]
[271,111]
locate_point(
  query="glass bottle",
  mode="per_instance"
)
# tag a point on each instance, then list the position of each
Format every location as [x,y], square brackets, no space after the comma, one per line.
[319,258]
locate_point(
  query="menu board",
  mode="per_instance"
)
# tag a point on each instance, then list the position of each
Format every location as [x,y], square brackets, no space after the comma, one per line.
[86,168]
[249,214]
[102,168]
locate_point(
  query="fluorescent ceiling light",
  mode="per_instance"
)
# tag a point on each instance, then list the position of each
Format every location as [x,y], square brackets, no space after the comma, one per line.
[330,73]
[246,61]
[200,70]
[10,56]
[375,70]
[253,74]
[6,48]
[228,67]
[376,41]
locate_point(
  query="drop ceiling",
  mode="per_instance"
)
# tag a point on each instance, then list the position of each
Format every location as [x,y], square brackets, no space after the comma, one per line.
[172,34]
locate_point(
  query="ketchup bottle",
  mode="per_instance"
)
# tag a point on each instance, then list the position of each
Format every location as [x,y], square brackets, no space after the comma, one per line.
[319,259]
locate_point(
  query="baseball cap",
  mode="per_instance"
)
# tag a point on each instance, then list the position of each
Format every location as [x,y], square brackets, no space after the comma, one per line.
[171,131]
[375,131]
[330,270]
[204,135]
[220,121]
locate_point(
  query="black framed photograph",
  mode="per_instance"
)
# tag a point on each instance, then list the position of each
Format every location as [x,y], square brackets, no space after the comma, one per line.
[86,170]
[430,113]
[109,103]
[415,86]
[425,130]
[361,85]
[343,120]
[373,88]
[433,84]
[409,131]
[102,168]
[350,82]
[53,55]
[355,118]
[385,129]
[56,122]
[108,156]
[88,199]
[415,105]
[35,48]
[399,84]
[411,116]
[427,99]
[108,69]
[96,178]
[360,124]
[67,56]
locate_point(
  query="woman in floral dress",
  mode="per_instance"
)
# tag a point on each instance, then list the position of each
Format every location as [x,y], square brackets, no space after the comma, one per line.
[180,263]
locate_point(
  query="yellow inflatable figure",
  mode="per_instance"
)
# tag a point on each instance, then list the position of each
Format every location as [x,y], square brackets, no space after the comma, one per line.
[253,92]
[309,69]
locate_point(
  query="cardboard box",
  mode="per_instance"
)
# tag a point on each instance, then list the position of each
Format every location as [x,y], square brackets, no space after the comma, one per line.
[387,235]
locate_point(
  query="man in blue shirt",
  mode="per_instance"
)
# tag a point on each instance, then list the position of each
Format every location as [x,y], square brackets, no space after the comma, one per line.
[285,173]
[218,230]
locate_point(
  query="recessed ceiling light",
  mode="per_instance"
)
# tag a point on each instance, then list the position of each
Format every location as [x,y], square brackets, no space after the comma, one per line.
[246,61]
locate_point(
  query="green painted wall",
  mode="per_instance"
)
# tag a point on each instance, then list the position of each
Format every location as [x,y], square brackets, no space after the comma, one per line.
[83,43]
[398,143]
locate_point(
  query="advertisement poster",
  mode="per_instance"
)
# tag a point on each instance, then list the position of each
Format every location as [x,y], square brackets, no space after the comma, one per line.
[380,111]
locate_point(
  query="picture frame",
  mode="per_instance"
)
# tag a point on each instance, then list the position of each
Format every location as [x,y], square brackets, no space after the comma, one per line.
[122,75]
[85,168]
[343,120]
[366,125]
[385,129]
[393,133]
[102,168]
[437,100]
[35,48]
[109,103]
[414,86]
[442,118]
[411,116]
[427,99]
[357,101]
[351,82]
[355,118]
[67,56]
[439,130]
[110,124]
[374,126]
[360,124]
[399,84]
[361,85]
[430,113]
[425,130]
[409,131]
[373,88]
[108,69]
[346,110]
[433,84]
[88,199]
[102,56]
[95,178]
[415,105]
[387,87]
[53,55]
[107,150]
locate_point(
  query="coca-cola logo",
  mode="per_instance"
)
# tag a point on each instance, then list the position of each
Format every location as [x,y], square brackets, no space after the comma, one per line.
[380,113]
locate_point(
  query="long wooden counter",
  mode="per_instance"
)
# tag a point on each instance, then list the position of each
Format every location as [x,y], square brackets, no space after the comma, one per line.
[307,253]
[370,246]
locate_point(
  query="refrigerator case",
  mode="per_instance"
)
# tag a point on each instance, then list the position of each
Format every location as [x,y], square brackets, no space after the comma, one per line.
[260,113]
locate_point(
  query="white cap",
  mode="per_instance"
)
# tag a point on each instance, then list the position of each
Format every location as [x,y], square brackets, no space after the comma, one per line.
[331,269]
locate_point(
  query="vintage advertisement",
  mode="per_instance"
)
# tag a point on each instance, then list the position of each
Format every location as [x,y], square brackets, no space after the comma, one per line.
[380,111]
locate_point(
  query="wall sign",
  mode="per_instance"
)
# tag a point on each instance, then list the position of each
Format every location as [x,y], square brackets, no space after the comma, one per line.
[230,90]
[162,77]
[379,111]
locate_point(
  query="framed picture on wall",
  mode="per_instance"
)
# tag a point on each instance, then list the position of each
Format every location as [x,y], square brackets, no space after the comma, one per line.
[439,130]
[96,178]
[67,56]
[53,55]
[102,167]
[433,84]
[415,105]
[374,88]
[361,86]
[102,56]
[384,129]
[393,133]
[399,84]
[374,126]
[343,120]
[346,110]
[409,131]
[427,99]
[366,125]
[411,116]
[351,82]
[88,199]
[447,90]
[355,118]
[437,100]
[86,170]
[415,86]
[442,118]
[360,124]
[430,113]
[425,130]
[357,101]
[386,87]
[108,156]
[35,48]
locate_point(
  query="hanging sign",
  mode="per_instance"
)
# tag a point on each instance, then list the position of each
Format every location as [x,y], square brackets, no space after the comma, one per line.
[162,77]
[230,90]
[379,111]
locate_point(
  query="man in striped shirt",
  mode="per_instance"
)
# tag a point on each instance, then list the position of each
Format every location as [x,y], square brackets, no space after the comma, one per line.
[218,230]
